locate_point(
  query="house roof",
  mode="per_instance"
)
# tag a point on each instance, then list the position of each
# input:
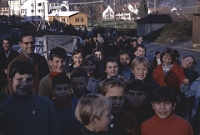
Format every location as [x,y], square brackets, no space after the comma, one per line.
[164,18]
[67,13]
[4,4]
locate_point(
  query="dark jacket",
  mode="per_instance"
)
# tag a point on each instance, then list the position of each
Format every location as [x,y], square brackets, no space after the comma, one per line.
[84,131]
[30,115]
[4,61]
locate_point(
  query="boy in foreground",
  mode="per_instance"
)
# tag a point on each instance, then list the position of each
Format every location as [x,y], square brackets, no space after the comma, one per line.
[165,122]
[62,102]
[57,63]
[25,113]
[93,111]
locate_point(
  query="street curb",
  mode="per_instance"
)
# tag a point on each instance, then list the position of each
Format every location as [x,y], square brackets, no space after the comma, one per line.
[176,47]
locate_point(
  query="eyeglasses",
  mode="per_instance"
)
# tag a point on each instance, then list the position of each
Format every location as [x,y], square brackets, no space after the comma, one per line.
[114,98]
[27,43]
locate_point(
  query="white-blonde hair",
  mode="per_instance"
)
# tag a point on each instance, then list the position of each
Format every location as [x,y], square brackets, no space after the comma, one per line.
[91,105]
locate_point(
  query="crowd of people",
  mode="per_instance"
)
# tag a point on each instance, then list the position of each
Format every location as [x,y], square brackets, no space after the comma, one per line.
[108,88]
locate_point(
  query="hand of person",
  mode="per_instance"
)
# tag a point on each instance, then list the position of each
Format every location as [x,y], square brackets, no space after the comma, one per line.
[185,81]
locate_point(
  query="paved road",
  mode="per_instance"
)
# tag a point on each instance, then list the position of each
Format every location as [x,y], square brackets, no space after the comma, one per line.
[153,47]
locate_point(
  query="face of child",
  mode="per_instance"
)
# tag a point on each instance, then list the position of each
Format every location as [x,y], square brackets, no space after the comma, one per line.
[134,43]
[163,109]
[135,98]
[116,96]
[61,91]
[111,69]
[166,59]
[77,59]
[140,52]
[124,59]
[78,85]
[99,55]
[57,64]
[22,84]
[104,123]
[90,67]
[140,71]
[187,62]
[158,55]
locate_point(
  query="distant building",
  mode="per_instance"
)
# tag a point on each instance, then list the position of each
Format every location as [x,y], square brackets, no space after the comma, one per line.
[69,17]
[152,23]
[108,14]
[4,8]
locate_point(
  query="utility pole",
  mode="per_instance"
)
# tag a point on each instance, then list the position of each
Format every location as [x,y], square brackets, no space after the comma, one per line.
[114,14]
[148,3]
[154,5]
[91,8]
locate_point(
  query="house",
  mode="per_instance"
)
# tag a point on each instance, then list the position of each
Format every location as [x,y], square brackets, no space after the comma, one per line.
[36,10]
[4,8]
[151,23]
[58,7]
[69,17]
[108,14]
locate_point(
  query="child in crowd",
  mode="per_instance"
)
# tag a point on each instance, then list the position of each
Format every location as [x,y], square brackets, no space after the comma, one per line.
[135,102]
[93,111]
[140,68]
[169,73]
[98,52]
[25,113]
[111,70]
[78,84]
[77,60]
[62,102]
[91,65]
[140,51]
[165,122]
[156,60]
[124,122]
[190,91]
[188,64]
[124,59]
[57,63]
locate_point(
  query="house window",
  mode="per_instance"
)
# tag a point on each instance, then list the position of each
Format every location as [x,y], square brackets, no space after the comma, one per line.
[32,4]
[32,11]
[79,20]
[39,4]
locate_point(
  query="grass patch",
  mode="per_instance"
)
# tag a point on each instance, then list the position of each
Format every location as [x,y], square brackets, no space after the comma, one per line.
[176,31]
[119,24]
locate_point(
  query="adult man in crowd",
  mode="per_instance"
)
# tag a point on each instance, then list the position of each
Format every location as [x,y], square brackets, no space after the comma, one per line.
[27,43]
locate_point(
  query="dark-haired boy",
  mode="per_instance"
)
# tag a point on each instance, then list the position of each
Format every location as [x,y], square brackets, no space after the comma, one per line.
[135,102]
[57,63]
[165,122]
[62,102]
[25,113]
[78,84]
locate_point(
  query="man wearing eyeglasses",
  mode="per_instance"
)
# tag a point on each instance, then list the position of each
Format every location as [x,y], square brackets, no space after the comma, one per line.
[27,44]
[124,123]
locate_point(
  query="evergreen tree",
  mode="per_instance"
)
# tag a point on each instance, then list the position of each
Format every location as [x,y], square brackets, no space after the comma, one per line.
[143,10]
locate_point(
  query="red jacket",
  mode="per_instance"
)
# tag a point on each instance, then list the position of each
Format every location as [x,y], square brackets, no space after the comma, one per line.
[172,79]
